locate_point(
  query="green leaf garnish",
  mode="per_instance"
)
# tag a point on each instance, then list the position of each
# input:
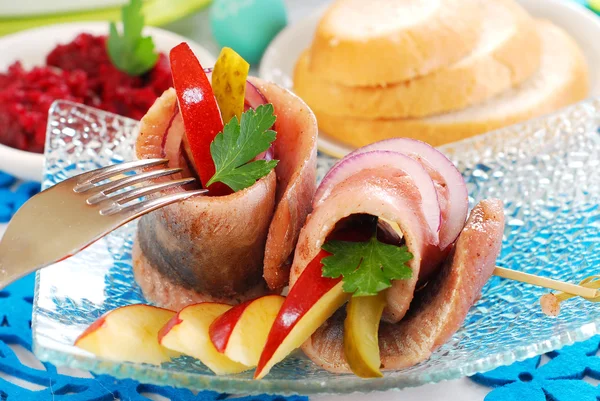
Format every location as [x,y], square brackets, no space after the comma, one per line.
[233,149]
[366,267]
[131,52]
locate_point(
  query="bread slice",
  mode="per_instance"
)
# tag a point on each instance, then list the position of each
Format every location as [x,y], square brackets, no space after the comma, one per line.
[376,42]
[561,80]
[508,52]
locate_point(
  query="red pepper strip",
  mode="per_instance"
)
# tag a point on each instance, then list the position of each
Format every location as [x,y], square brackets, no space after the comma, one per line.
[201,115]
[310,287]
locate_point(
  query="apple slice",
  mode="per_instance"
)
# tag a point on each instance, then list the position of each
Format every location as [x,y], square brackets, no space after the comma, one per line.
[241,332]
[310,302]
[187,332]
[128,334]
[361,342]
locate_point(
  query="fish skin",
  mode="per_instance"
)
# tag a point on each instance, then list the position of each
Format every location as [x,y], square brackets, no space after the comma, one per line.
[296,150]
[442,308]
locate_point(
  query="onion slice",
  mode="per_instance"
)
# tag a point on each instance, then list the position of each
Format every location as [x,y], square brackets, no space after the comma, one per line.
[254,97]
[352,164]
[173,137]
[458,201]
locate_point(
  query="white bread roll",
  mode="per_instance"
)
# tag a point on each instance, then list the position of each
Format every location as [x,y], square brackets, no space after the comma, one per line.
[508,53]
[561,80]
[366,43]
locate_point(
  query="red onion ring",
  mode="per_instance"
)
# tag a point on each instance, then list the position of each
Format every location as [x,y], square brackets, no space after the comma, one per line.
[355,163]
[457,189]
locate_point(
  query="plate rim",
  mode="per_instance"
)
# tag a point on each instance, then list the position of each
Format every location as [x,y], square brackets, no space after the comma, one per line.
[159,376]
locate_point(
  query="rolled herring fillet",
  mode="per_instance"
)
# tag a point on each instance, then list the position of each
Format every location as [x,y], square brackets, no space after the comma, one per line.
[213,248]
[437,311]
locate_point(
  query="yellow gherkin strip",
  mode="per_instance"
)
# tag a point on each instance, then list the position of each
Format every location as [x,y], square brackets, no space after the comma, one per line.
[361,327]
[229,83]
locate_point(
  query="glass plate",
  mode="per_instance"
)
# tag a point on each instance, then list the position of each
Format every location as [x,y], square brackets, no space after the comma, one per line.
[544,170]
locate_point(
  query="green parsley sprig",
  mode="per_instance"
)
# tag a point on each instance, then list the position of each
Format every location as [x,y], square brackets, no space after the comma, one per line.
[131,52]
[367,267]
[233,149]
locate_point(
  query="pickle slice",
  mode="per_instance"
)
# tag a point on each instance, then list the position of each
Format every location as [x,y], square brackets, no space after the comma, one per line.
[361,327]
[229,83]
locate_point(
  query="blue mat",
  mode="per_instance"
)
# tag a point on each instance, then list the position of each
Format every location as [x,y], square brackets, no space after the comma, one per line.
[560,379]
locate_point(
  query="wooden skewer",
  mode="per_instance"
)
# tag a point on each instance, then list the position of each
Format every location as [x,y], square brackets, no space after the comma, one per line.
[546,282]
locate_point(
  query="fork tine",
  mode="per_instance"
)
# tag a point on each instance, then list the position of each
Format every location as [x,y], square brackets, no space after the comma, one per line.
[104,173]
[124,182]
[119,200]
[150,205]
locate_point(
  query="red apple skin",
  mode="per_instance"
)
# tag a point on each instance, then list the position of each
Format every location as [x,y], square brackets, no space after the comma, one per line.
[306,292]
[220,330]
[167,327]
[309,288]
[200,112]
[92,327]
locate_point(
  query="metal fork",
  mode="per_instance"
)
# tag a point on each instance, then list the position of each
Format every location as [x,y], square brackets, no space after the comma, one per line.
[66,218]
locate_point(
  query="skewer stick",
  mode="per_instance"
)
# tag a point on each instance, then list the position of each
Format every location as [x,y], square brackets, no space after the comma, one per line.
[546,282]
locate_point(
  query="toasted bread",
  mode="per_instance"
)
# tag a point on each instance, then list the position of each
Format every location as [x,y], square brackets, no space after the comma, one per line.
[508,53]
[561,80]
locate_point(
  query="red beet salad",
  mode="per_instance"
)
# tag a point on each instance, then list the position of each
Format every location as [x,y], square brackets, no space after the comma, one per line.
[80,71]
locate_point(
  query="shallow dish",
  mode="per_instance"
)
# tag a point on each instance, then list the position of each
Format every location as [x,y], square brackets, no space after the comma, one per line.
[277,65]
[543,170]
[32,46]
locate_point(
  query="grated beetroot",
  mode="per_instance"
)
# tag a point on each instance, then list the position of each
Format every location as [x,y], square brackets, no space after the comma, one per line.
[80,71]
[25,97]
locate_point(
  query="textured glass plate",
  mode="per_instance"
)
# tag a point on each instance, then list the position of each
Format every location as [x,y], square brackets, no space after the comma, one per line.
[546,171]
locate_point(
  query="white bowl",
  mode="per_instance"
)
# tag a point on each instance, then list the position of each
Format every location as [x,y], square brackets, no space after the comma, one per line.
[277,65]
[31,48]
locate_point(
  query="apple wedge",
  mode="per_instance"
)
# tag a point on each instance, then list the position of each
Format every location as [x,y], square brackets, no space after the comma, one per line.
[128,334]
[310,302]
[187,332]
[241,332]
[361,328]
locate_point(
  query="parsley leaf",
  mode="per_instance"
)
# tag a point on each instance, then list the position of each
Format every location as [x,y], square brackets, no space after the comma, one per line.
[233,149]
[367,267]
[131,53]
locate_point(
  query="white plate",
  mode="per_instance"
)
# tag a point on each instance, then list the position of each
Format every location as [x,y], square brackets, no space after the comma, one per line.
[277,64]
[32,46]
